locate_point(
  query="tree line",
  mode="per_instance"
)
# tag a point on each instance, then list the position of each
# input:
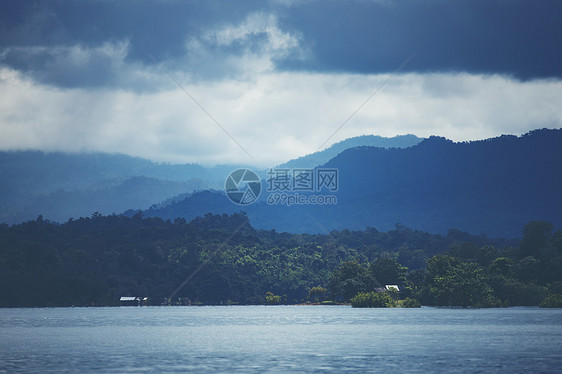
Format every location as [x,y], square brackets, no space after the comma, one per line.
[222,259]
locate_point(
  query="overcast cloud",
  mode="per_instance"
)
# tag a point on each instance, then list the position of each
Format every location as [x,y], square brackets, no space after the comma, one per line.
[279,77]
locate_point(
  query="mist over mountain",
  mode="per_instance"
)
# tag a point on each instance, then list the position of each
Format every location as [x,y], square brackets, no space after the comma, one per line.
[492,186]
[60,205]
[63,185]
[59,185]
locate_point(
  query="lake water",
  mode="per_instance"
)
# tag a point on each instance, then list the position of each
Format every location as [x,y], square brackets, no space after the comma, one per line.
[256,339]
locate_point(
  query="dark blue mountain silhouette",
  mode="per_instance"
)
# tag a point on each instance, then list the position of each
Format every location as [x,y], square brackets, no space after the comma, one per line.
[59,185]
[493,186]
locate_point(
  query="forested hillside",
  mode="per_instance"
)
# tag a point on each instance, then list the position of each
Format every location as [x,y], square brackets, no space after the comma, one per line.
[222,259]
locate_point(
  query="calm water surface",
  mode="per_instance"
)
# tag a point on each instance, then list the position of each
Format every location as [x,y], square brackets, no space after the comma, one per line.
[279,339]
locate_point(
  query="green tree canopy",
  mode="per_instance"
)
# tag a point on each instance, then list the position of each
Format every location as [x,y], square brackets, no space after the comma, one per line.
[537,238]
[386,270]
[348,279]
[372,300]
[452,282]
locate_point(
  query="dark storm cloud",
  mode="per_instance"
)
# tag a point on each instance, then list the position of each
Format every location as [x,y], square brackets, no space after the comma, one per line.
[36,36]
[519,38]
[64,43]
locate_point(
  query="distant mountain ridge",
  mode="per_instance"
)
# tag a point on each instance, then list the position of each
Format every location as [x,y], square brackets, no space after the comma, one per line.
[63,185]
[493,186]
[322,157]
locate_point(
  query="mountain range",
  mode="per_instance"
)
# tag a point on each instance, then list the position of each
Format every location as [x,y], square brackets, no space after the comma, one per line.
[491,187]
[59,186]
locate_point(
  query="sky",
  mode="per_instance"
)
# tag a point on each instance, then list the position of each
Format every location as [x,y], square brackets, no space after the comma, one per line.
[262,82]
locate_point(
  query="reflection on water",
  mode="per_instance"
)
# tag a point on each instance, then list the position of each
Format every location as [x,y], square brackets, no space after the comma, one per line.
[279,339]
